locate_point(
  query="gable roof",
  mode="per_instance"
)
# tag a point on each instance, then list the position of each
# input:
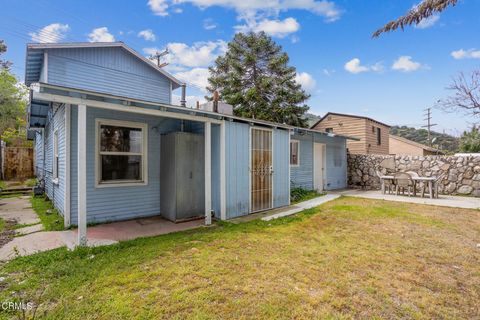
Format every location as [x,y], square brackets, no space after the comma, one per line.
[35,51]
[413,143]
[347,115]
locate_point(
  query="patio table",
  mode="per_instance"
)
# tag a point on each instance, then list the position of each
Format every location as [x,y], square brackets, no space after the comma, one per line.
[429,180]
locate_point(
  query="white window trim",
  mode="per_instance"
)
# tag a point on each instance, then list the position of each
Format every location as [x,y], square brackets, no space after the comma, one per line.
[144,153]
[55,173]
[298,153]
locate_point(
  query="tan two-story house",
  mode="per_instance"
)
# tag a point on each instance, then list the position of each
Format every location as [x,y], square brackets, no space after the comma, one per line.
[373,134]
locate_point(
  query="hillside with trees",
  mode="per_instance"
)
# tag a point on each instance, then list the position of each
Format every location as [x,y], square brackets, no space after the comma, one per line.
[443,141]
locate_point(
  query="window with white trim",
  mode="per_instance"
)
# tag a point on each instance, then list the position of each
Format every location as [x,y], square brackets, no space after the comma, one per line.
[121,152]
[55,156]
[294,153]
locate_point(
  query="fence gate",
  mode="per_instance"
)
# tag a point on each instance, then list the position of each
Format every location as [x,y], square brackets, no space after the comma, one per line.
[18,163]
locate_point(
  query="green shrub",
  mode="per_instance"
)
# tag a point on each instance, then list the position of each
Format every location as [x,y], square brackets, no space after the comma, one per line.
[300,194]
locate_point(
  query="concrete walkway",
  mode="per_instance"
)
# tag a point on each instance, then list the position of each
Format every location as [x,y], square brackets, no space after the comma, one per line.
[18,209]
[99,235]
[285,211]
[443,200]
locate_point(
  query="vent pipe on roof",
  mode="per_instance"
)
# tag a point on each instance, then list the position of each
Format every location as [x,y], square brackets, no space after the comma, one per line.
[183,100]
[216,97]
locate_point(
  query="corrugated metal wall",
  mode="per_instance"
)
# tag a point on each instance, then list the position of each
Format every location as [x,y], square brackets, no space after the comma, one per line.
[107,70]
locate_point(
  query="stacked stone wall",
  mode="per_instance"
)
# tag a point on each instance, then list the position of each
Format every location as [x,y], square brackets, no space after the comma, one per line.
[461,175]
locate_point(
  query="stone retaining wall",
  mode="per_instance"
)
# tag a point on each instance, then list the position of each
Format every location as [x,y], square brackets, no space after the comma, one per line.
[461,174]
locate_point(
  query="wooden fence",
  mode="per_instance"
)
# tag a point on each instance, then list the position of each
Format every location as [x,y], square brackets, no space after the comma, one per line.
[17,163]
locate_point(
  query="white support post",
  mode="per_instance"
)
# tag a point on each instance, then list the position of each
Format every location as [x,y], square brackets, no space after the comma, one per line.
[68,109]
[208,173]
[223,191]
[82,174]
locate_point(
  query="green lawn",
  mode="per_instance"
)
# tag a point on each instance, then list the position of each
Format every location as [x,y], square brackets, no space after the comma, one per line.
[349,258]
[49,216]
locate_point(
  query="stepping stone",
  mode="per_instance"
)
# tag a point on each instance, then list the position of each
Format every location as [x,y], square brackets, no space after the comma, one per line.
[30,229]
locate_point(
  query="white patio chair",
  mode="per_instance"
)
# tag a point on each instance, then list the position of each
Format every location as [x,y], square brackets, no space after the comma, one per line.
[388,184]
[403,181]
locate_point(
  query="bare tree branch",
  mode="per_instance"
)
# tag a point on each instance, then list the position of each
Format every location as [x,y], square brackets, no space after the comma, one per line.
[424,10]
[465,97]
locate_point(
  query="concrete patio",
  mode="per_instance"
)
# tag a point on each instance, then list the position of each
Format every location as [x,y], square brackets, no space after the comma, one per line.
[104,234]
[443,200]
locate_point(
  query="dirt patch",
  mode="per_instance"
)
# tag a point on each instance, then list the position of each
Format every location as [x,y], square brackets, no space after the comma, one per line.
[6,235]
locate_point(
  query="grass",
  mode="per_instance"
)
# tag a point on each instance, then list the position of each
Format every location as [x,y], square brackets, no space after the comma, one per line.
[299,194]
[2,225]
[3,185]
[31,182]
[49,216]
[349,258]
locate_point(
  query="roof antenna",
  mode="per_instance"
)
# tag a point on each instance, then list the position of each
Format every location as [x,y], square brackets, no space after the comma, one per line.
[157,57]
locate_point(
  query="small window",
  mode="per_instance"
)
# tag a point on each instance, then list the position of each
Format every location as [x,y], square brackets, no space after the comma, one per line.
[121,152]
[373,129]
[379,136]
[55,156]
[294,153]
[329,130]
[337,157]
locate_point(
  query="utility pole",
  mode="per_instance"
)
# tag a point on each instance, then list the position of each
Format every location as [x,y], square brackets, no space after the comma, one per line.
[429,125]
[157,57]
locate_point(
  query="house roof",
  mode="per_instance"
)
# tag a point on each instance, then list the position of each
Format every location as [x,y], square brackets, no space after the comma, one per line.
[413,143]
[38,109]
[347,115]
[35,52]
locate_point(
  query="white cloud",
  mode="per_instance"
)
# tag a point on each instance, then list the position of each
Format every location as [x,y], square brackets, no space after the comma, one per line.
[198,77]
[328,72]
[52,33]
[101,35]
[428,22]
[354,66]
[200,54]
[306,80]
[406,64]
[324,8]
[208,24]
[158,7]
[466,54]
[275,28]
[147,34]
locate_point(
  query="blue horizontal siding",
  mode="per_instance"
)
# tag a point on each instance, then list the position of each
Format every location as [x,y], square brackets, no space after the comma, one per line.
[121,203]
[55,191]
[301,176]
[107,70]
[335,171]
[39,161]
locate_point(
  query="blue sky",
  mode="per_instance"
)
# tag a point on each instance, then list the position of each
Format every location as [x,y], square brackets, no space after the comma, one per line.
[392,78]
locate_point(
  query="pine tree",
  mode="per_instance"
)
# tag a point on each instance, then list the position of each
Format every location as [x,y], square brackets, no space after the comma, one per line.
[254,77]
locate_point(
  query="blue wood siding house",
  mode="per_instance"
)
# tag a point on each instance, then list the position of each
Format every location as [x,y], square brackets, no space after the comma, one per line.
[99,114]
